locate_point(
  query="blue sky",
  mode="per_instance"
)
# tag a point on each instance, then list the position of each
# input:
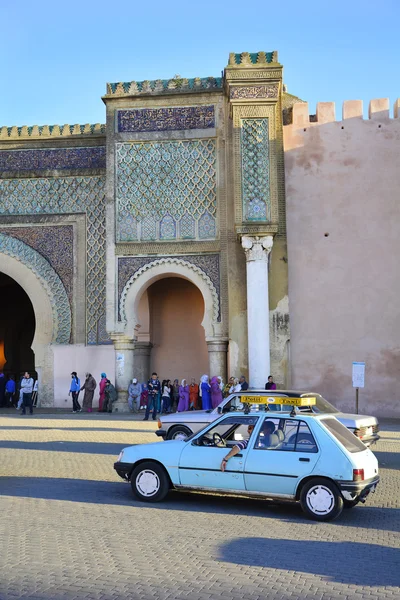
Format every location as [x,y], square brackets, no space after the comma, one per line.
[56,57]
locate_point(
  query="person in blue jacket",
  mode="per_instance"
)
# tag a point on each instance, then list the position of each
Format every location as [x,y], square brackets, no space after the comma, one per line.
[205,390]
[74,390]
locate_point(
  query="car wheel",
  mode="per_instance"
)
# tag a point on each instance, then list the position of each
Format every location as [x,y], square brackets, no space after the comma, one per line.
[350,503]
[321,500]
[149,482]
[179,433]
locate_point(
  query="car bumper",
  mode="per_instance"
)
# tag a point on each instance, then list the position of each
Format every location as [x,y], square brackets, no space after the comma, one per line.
[123,469]
[370,439]
[161,433]
[352,490]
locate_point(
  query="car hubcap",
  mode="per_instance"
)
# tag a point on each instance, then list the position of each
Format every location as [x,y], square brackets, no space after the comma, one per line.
[180,435]
[148,483]
[320,500]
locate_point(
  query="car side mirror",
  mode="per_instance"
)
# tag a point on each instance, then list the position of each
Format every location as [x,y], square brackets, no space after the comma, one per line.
[219,410]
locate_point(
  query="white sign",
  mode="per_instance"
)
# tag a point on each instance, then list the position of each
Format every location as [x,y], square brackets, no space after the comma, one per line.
[358,374]
[120,364]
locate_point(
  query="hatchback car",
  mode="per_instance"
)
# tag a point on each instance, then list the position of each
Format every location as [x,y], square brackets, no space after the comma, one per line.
[180,425]
[312,459]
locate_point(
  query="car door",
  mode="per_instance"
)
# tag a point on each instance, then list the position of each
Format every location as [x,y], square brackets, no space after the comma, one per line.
[276,468]
[200,465]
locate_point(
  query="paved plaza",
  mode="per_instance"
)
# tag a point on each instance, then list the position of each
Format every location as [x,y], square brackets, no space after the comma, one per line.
[71,529]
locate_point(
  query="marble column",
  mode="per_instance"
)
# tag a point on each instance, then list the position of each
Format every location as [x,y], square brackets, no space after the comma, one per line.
[124,359]
[141,366]
[217,350]
[257,251]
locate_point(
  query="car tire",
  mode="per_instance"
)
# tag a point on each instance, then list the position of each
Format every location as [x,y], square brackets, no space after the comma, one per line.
[350,503]
[180,432]
[321,500]
[149,482]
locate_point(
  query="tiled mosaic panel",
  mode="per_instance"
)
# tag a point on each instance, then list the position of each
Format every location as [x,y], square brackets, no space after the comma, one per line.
[173,179]
[255,170]
[166,119]
[208,263]
[53,158]
[68,195]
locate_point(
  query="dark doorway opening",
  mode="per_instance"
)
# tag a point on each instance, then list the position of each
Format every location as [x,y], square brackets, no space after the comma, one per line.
[17,329]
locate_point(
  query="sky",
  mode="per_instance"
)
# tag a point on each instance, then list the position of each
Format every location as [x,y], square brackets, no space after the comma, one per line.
[56,57]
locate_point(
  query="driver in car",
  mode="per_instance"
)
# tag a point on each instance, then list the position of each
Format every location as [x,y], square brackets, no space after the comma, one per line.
[237,448]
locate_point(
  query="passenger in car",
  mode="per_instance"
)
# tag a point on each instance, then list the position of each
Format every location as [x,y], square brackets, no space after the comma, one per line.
[242,445]
[267,436]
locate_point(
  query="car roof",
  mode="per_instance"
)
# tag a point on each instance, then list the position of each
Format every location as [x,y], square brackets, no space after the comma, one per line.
[258,391]
[276,415]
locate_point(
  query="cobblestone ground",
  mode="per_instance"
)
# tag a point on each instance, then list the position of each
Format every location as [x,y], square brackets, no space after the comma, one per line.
[70,528]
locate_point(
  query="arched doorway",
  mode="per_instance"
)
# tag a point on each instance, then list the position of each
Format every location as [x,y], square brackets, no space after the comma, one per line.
[175,308]
[17,328]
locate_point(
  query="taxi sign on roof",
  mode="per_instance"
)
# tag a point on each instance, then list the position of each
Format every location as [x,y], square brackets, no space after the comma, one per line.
[306,401]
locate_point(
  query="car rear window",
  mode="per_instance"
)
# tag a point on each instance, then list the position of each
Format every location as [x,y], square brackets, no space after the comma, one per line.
[343,435]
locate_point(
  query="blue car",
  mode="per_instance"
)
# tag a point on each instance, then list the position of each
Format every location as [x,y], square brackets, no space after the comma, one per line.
[307,458]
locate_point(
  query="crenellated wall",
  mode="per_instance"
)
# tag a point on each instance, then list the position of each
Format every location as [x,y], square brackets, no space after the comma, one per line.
[343,230]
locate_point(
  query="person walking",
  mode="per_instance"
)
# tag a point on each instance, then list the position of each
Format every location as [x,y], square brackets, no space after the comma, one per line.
[134,391]
[74,390]
[154,387]
[102,391]
[27,384]
[175,395]
[183,397]
[270,385]
[10,391]
[205,393]
[89,386]
[166,396]
[216,394]
[193,395]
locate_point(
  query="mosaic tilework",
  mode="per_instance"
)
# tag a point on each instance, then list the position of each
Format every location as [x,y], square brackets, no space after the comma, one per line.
[253,58]
[167,228]
[255,170]
[166,119]
[55,244]
[165,86]
[208,263]
[156,179]
[50,280]
[188,227]
[68,195]
[54,158]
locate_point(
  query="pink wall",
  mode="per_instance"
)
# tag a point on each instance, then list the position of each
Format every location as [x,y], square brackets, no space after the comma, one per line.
[343,180]
[176,312]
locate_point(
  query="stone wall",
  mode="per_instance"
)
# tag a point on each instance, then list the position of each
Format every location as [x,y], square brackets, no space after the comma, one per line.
[342,189]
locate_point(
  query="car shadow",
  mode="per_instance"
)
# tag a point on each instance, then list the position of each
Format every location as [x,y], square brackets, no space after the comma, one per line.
[55,428]
[388,460]
[111,449]
[119,493]
[324,558]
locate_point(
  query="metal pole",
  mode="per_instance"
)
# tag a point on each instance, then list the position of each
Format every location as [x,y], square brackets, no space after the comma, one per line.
[357,401]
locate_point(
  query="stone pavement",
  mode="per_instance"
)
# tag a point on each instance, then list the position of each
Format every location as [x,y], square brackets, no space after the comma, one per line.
[71,530]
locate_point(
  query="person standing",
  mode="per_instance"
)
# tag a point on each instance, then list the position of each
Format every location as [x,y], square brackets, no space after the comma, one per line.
[89,386]
[270,385]
[10,391]
[27,384]
[110,396]
[102,391]
[175,395]
[2,389]
[193,395]
[216,394]
[144,396]
[166,396]
[243,383]
[74,390]
[205,393]
[35,393]
[227,387]
[235,387]
[134,391]
[154,387]
[183,397]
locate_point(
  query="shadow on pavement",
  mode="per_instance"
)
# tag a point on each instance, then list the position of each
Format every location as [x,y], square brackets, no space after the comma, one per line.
[119,493]
[377,565]
[55,428]
[60,446]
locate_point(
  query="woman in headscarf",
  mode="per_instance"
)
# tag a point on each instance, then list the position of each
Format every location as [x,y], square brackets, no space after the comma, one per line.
[183,396]
[89,386]
[227,387]
[216,394]
[205,393]
[193,395]
[235,387]
[102,390]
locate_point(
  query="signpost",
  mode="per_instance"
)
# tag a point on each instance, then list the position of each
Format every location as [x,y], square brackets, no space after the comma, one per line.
[358,376]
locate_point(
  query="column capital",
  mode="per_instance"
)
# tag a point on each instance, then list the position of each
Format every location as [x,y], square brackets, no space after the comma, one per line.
[122,341]
[257,248]
[217,344]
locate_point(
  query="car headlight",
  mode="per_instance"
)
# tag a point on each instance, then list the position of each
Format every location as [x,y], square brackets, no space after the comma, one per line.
[120,455]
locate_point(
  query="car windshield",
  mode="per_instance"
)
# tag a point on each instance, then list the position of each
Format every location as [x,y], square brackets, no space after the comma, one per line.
[322,405]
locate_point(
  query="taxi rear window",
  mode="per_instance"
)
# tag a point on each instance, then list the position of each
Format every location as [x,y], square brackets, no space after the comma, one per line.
[343,435]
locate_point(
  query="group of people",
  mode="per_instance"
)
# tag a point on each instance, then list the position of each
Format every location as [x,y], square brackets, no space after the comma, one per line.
[107,393]
[22,397]
[168,396]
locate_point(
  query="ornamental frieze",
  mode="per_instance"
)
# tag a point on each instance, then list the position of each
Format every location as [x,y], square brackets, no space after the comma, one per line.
[254,92]
[166,119]
[53,159]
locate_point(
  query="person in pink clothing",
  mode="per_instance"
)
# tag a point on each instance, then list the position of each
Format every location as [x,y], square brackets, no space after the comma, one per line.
[183,396]
[216,393]
[102,388]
